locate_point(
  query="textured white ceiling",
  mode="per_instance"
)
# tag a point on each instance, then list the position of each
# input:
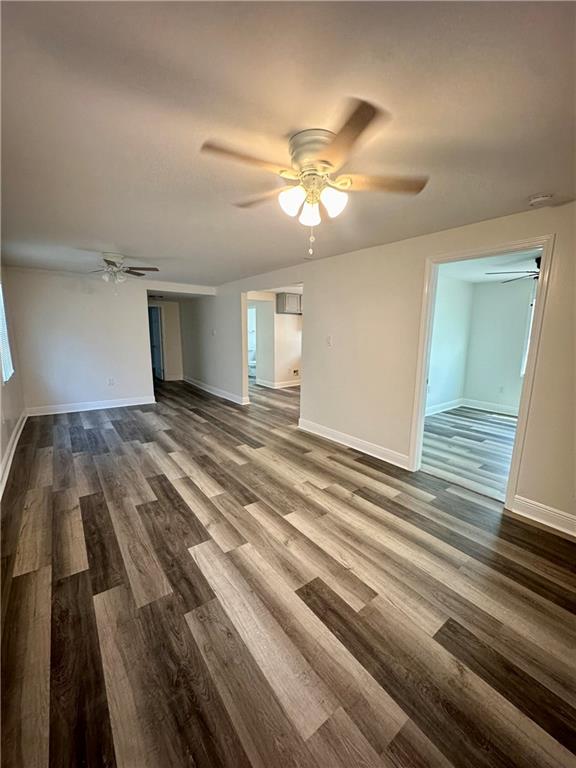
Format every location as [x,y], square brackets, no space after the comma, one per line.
[105,106]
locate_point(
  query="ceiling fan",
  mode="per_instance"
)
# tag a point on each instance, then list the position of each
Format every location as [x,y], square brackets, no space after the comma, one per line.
[114,270]
[313,184]
[525,274]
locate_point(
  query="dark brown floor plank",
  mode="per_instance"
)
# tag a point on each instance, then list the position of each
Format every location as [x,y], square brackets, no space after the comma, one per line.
[26,671]
[178,515]
[78,440]
[411,749]
[531,697]
[80,733]
[227,480]
[171,537]
[195,716]
[95,441]
[104,557]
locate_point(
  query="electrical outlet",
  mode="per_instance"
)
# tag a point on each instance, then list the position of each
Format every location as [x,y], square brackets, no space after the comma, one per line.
[295,371]
[111,382]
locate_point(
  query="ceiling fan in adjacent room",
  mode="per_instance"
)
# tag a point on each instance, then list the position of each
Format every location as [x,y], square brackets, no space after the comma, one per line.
[114,270]
[525,274]
[313,183]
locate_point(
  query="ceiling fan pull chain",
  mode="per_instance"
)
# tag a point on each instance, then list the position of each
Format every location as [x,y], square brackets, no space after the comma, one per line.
[312,240]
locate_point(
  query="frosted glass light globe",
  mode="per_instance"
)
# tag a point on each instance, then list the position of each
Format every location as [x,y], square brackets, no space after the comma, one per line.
[291,199]
[310,216]
[334,201]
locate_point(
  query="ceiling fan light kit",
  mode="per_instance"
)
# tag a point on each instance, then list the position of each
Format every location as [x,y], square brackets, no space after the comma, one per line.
[315,185]
[114,271]
[111,275]
[317,155]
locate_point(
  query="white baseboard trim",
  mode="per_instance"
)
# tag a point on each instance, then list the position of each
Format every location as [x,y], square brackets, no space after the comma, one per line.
[10,450]
[278,384]
[441,407]
[481,405]
[554,518]
[218,392]
[94,405]
[378,451]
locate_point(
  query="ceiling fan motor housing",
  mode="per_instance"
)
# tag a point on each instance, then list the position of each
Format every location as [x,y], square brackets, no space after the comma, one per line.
[306,150]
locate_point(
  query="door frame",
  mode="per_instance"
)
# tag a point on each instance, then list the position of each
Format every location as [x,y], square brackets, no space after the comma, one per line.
[161,327]
[546,242]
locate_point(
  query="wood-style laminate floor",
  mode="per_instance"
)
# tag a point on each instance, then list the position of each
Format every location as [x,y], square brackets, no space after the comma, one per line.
[200,584]
[471,448]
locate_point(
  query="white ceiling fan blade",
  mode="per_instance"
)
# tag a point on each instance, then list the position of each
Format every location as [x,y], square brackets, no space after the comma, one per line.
[513,279]
[241,157]
[359,182]
[259,199]
[361,114]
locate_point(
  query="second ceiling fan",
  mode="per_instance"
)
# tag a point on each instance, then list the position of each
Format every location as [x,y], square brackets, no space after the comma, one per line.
[313,184]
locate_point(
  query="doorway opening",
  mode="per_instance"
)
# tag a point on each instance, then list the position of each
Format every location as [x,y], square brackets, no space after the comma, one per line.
[166,337]
[479,345]
[274,342]
[156,346]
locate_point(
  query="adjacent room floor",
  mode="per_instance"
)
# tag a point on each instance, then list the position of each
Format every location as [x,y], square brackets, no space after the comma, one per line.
[200,584]
[471,448]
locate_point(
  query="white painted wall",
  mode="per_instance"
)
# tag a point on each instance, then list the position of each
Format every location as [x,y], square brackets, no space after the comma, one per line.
[265,342]
[478,340]
[288,349]
[213,344]
[370,304]
[449,349]
[11,398]
[171,339]
[498,325]
[74,333]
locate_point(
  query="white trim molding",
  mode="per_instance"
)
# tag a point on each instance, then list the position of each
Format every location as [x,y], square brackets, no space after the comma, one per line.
[441,407]
[481,405]
[554,518]
[278,384]
[11,450]
[94,405]
[372,449]
[217,392]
